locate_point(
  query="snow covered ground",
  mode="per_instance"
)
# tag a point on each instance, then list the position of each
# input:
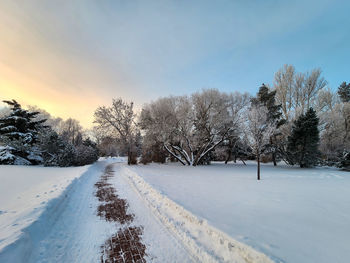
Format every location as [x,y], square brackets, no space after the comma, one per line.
[292,214]
[24,193]
[216,213]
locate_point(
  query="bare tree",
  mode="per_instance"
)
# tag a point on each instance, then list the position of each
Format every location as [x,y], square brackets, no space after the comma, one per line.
[297,92]
[71,131]
[314,82]
[260,129]
[120,120]
[285,89]
[189,127]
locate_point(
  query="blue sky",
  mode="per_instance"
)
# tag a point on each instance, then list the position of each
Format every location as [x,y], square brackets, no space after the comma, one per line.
[84,53]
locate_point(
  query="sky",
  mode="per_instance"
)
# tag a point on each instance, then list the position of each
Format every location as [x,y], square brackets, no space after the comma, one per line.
[69,57]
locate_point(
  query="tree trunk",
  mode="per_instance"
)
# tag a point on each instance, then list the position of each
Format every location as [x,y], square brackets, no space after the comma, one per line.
[258,171]
[274,159]
[129,158]
[273,152]
[228,157]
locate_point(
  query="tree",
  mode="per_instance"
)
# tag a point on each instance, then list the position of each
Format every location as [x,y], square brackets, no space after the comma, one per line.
[287,92]
[267,98]
[345,161]
[119,119]
[19,132]
[233,144]
[296,92]
[344,92]
[304,140]
[189,128]
[71,131]
[260,129]
[20,124]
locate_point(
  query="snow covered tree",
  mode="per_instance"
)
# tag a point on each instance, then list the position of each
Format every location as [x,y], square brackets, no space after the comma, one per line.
[19,132]
[304,140]
[20,124]
[119,120]
[267,98]
[259,129]
[189,128]
[344,92]
[233,145]
[345,161]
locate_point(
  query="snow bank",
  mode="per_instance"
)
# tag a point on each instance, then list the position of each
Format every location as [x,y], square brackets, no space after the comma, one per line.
[204,242]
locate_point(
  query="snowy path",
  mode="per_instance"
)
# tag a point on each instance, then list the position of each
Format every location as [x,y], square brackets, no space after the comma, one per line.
[70,231]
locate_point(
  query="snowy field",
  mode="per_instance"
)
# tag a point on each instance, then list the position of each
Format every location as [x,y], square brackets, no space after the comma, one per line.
[291,215]
[216,213]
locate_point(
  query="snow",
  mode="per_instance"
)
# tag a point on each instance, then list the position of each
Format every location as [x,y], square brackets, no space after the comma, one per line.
[24,193]
[202,241]
[161,245]
[291,215]
[216,213]
[68,229]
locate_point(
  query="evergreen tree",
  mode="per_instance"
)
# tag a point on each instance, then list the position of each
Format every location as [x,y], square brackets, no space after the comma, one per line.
[19,132]
[345,161]
[344,92]
[303,143]
[20,124]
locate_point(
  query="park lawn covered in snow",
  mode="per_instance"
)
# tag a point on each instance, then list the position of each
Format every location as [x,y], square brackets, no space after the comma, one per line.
[25,192]
[291,215]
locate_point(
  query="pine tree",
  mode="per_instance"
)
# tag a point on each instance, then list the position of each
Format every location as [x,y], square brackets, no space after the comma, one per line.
[303,143]
[19,132]
[344,92]
[20,124]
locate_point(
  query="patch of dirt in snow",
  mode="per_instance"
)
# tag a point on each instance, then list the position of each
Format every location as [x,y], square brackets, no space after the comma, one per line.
[126,245]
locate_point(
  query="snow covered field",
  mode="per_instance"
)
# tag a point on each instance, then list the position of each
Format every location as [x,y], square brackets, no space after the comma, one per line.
[292,215]
[216,213]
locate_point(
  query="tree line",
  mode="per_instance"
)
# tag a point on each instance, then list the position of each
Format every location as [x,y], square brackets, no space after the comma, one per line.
[32,136]
[298,120]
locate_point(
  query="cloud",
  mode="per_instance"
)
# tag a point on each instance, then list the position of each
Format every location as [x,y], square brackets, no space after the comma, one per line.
[96,50]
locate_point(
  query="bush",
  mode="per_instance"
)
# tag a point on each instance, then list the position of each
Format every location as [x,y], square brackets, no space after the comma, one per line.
[85,155]
[345,161]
